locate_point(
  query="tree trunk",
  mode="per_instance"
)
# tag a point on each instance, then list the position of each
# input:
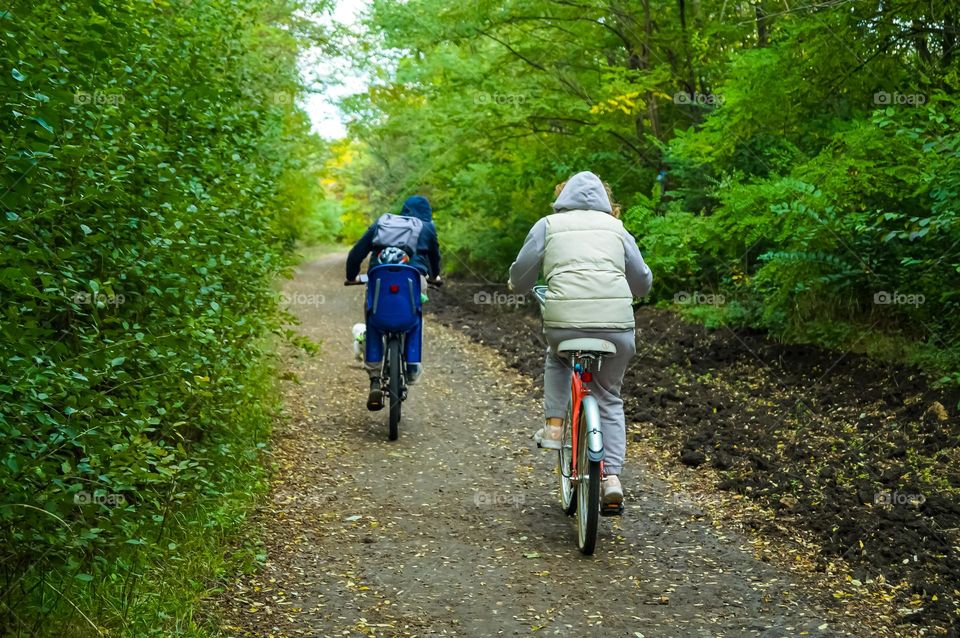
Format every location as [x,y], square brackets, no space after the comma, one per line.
[652,110]
[920,42]
[761,26]
[949,38]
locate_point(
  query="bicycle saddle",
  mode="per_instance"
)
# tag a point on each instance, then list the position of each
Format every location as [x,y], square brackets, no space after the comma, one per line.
[593,346]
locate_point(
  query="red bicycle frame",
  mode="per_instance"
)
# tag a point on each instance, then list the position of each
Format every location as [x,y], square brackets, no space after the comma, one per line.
[578,390]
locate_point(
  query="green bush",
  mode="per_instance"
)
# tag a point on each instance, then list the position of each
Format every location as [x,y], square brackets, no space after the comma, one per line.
[153,180]
[873,244]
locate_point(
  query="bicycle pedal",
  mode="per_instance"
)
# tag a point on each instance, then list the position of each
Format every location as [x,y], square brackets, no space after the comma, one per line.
[611,510]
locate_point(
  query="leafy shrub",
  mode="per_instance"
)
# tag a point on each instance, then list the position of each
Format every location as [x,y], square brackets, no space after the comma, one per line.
[873,243]
[152,187]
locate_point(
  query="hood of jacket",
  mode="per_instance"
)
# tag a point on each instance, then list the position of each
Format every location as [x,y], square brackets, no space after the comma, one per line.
[418,206]
[583,191]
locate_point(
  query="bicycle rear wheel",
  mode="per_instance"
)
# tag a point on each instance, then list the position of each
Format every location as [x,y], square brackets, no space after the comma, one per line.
[588,487]
[396,386]
[568,487]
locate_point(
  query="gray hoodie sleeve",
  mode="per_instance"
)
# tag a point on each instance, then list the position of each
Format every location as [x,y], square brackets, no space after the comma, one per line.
[638,273]
[526,268]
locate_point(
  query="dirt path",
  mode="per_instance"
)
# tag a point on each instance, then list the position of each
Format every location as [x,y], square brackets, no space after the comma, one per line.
[455,529]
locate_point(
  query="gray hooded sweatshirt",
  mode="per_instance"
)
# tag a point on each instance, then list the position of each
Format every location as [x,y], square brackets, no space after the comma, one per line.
[591,264]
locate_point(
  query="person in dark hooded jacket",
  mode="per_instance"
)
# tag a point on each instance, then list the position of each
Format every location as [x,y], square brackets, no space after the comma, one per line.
[425,257]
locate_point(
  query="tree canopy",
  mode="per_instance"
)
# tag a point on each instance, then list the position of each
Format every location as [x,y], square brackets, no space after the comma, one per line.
[800,159]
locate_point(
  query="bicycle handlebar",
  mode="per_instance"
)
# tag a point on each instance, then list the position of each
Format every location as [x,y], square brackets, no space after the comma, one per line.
[540,292]
[361,280]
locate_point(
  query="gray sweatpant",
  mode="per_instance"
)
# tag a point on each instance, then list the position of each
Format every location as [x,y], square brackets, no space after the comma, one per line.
[605,387]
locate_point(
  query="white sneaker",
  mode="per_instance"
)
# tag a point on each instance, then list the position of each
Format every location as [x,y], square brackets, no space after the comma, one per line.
[611,493]
[549,437]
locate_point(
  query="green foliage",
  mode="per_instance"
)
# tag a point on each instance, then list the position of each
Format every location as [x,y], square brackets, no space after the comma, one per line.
[809,154]
[674,244]
[155,171]
[309,214]
[876,225]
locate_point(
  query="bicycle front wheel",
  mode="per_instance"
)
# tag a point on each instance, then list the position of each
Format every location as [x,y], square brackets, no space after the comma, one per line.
[396,386]
[588,484]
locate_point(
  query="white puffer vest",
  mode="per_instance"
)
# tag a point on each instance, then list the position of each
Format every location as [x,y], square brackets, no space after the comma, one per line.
[583,264]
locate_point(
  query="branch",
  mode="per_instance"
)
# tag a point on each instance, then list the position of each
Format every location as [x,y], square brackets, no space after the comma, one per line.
[610,28]
[577,90]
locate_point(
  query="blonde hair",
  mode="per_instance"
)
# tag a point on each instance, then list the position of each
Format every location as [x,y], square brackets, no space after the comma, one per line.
[614,206]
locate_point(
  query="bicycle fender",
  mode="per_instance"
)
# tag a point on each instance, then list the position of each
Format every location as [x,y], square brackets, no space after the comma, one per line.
[591,413]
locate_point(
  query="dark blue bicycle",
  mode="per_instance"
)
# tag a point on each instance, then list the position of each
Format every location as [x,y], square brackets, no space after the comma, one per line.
[394,329]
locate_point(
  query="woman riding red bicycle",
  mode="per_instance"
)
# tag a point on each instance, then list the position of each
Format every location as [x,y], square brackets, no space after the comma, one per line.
[593,270]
